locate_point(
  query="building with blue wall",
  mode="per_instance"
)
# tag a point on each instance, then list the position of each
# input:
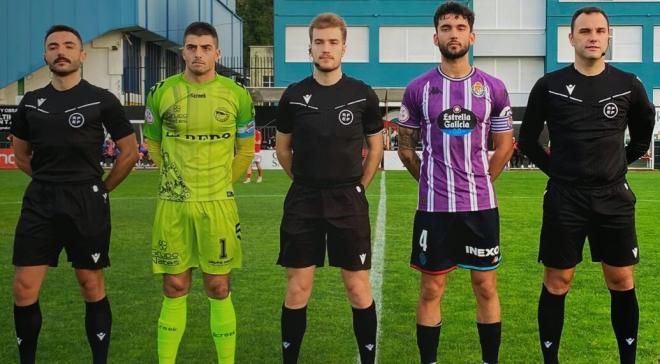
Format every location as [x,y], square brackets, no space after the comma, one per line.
[393,54]
[634,37]
[389,42]
[130,43]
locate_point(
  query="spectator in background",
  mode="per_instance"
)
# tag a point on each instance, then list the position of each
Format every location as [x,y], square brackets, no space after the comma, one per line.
[386,139]
[517,157]
[108,152]
[256,162]
[394,141]
[144,155]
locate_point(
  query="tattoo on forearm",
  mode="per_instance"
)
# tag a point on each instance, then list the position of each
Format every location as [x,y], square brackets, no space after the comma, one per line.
[408,138]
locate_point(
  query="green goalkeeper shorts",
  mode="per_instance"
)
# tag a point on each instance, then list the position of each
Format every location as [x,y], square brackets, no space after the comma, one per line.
[203,234]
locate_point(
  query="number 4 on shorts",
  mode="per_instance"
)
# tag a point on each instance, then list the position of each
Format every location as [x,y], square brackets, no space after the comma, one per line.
[422,240]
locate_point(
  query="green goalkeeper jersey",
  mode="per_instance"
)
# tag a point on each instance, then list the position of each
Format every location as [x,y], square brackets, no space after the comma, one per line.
[197,126]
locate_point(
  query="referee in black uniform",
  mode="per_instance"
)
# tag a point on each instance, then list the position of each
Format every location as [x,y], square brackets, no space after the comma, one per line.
[322,123]
[57,137]
[587,107]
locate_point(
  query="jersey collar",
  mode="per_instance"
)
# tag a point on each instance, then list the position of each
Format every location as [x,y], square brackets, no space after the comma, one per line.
[456,79]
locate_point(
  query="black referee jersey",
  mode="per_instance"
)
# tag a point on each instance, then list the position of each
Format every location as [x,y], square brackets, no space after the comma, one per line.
[66,130]
[587,117]
[328,124]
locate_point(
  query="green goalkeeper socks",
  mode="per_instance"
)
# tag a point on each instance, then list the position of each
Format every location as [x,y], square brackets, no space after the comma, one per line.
[223,329]
[171,325]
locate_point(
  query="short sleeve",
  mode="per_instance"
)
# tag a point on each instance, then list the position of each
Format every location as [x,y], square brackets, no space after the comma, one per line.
[19,125]
[152,117]
[245,119]
[284,119]
[114,118]
[373,120]
[409,114]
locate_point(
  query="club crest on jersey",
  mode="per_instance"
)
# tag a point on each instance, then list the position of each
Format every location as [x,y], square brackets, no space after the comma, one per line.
[221,115]
[404,114]
[457,121]
[345,117]
[478,89]
[76,120]
[610,110]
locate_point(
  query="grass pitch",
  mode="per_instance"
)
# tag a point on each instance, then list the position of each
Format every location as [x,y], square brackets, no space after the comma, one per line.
[258,288]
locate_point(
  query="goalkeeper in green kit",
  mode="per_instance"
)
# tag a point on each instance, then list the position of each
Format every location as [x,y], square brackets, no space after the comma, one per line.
[200,127]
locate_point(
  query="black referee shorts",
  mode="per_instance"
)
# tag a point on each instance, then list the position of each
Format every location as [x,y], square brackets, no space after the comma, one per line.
[604,215]
[318,217]
[75,217]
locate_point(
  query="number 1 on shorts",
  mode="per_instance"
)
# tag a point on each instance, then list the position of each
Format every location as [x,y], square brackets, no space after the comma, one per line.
[223,248]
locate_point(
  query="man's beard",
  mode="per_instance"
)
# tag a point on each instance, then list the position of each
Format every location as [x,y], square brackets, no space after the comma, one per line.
[63,72]
[444,50]
[325,69]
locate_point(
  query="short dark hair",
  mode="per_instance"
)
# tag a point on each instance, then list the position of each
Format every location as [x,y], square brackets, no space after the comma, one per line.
[328,20]
[588,10]
[455,8]
[63,28]
[200,28]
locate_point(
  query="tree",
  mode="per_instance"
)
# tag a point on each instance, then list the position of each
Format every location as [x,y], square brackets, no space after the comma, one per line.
[257,18]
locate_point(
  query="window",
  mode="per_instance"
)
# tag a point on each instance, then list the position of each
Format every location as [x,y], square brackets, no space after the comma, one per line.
[267,81]
[656,44]
[510,14]
[625,44]
[152,65]
[519,74]
[656,102]
[564,48]
[296,43]
[173,63]
[614,1]
[132,75]
[407,45]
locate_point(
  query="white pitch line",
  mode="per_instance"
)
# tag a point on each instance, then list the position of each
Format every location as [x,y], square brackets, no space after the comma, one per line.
[377,259]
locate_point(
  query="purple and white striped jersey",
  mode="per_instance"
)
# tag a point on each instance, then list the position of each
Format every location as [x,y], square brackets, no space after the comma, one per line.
[455,117]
